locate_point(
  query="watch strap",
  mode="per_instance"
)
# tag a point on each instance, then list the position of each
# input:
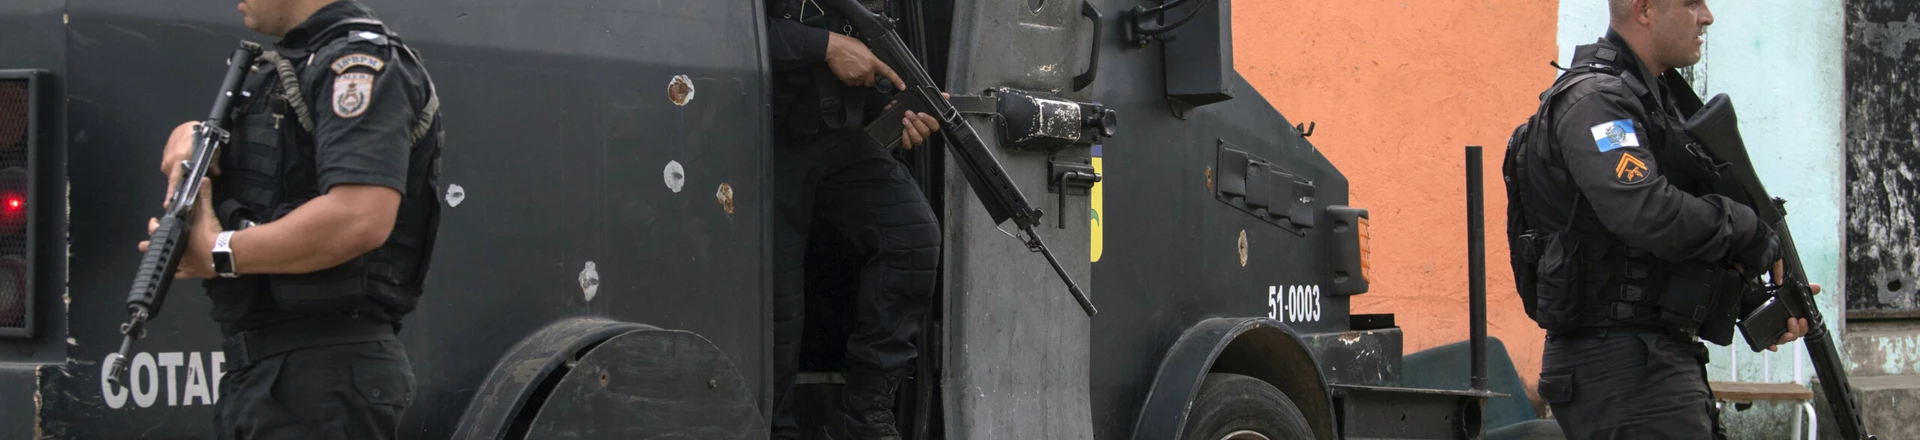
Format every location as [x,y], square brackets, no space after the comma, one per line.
[223,255]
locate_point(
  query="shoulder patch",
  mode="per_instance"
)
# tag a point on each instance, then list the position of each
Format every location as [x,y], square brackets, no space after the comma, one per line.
[340,65]
[1615,134]
[352,93]
[1631,169]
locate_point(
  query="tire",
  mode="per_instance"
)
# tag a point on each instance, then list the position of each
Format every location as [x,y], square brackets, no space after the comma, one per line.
[1236,407]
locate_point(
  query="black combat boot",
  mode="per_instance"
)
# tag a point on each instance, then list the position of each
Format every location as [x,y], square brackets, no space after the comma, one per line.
[866,407]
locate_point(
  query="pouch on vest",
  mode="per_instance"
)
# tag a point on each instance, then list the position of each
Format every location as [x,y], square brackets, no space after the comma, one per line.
[1558,299]
[232,298]
[1725,312]
[1693,300]
[331,290]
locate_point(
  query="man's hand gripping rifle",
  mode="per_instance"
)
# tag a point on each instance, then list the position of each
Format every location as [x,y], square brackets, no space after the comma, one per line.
[169,240]
[1716,127]
[989,180]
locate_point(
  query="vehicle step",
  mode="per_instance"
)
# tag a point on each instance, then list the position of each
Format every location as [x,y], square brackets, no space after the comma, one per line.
[1370,412]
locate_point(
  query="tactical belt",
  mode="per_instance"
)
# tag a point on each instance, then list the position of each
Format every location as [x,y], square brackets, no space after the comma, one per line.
[250,347]
[1621,330]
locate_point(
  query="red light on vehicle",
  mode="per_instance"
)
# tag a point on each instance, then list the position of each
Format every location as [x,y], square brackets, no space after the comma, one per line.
[13,200]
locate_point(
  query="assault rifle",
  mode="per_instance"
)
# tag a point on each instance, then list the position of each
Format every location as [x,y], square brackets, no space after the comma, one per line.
[989,180]
[1716,127]
[169,240]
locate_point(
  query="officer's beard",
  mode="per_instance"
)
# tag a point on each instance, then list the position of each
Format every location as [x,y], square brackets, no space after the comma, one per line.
[1680,46]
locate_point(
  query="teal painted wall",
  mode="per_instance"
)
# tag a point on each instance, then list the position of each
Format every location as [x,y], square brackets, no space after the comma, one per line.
[1781,63]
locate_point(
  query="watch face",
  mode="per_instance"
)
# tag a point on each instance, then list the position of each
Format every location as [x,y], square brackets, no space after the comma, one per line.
[223,264]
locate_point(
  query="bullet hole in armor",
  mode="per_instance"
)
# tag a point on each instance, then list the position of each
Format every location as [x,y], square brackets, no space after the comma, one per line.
[1893,286]
[1243,248]
[675,176]
[590,281]
[1036,4]
[725,195]
[680,90]
[455,195]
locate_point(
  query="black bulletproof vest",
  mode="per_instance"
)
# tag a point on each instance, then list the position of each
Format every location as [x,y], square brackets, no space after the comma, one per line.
[1588,278]
[813,99]
[269,170]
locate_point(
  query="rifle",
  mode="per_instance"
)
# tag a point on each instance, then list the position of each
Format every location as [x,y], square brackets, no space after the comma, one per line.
[1716,127]
[989,180]
[165,247]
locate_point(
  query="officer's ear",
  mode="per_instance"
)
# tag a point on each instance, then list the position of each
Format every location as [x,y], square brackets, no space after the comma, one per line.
[1643,11]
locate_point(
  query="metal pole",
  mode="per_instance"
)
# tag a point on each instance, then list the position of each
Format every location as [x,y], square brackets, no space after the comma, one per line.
[1477,267]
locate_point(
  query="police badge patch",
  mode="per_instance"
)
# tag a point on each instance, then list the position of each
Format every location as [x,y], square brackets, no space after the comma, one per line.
[351,93]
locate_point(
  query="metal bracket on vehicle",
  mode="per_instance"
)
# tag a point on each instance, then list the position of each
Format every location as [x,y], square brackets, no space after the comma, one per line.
[1069,178]
[976,104]
[1033,121]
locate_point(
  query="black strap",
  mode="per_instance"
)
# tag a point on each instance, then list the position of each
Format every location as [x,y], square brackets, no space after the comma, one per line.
[1619,330]
[252,346]
[1683,95]
[832,108]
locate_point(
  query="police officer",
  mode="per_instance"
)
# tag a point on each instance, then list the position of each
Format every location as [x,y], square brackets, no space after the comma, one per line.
[826,170]
[1641,260]
[319,225]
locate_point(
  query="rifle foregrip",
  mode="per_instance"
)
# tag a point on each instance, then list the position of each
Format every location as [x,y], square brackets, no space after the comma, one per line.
[989,180]
[157,266]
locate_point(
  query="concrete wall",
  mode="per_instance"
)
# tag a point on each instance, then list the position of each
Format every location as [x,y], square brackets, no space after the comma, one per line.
[1398,88]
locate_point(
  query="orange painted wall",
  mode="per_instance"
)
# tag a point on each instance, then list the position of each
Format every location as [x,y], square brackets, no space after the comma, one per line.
[1398,89]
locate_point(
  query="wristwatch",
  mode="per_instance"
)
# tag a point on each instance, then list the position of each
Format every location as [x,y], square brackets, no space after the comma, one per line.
[223,256]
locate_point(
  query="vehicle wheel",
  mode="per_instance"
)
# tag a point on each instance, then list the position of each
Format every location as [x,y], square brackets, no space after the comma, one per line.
[1236,407]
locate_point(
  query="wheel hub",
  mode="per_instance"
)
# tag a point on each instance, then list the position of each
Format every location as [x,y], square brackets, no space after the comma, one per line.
[1245,435]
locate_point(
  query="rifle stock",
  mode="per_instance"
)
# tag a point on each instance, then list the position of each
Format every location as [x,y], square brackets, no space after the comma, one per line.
[996,191]
[164,247]
[1716,126]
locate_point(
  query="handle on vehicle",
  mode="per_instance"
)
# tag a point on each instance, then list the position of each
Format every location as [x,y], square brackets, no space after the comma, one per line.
[1082,80]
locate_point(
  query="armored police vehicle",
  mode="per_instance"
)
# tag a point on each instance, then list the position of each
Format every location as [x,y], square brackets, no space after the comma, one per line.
[602,266]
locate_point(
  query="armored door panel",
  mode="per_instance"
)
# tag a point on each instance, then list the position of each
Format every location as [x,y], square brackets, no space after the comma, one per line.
[1018,342]
[603,158]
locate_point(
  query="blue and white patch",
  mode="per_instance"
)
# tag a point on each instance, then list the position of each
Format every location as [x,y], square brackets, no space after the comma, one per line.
[1614,135]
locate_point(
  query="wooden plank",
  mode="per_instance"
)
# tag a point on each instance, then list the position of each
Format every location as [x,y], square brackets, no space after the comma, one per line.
[1758,392]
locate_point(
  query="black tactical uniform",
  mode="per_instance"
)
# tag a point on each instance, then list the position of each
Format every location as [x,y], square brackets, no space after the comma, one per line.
[338,100]
[825,170]
[1635,250]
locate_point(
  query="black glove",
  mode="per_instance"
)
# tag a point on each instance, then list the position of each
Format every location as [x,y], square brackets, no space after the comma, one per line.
[1758,255]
